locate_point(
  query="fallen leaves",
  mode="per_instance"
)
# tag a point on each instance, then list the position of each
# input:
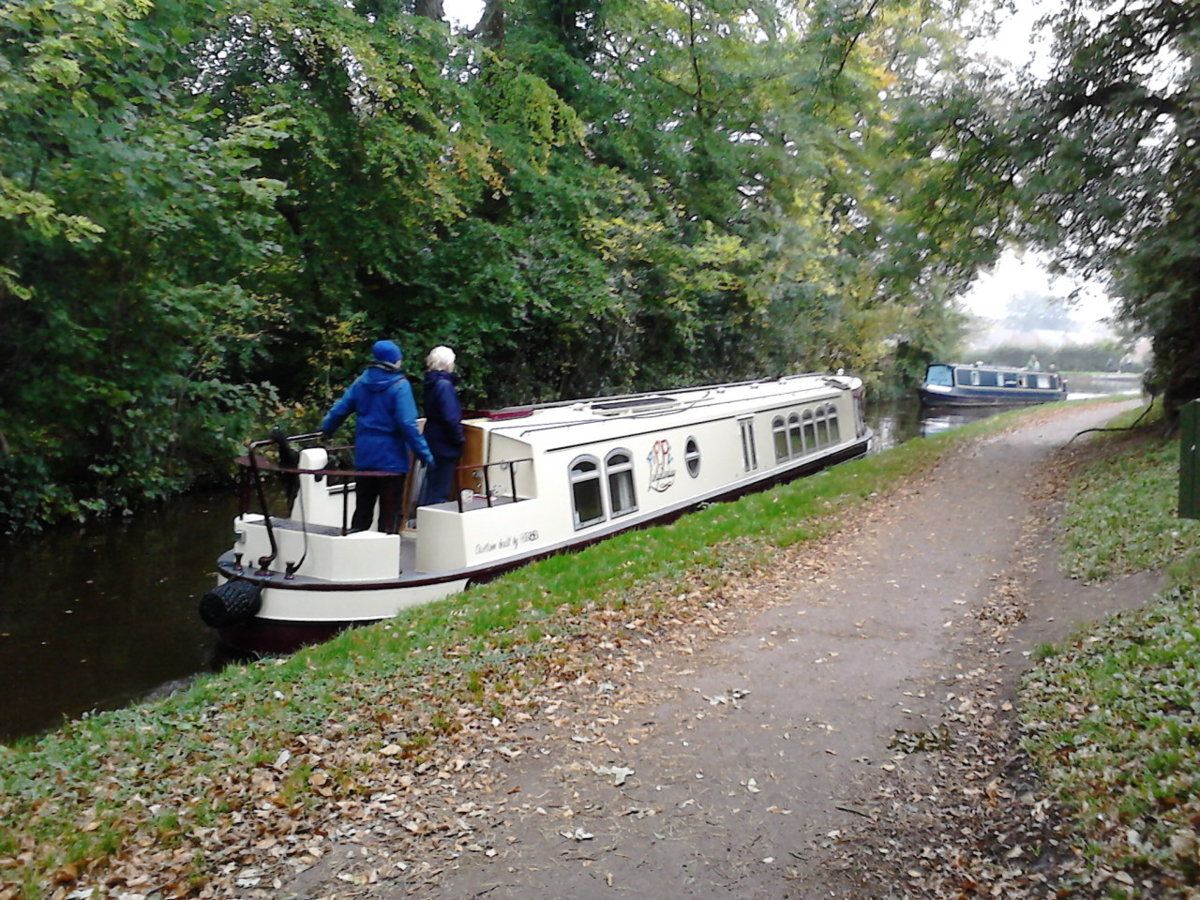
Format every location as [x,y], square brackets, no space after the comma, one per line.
[617,773]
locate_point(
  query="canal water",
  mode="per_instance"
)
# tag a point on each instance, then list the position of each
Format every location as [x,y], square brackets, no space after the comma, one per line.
[95,616]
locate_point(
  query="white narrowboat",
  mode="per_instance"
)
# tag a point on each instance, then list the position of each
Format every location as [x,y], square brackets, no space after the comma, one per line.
[533,481]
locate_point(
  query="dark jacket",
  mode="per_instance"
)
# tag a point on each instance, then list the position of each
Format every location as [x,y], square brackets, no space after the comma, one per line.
[443,415]
[386,421]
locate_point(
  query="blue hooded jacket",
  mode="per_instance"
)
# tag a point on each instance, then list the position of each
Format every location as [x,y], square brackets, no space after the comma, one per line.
[443,415]
[387,421]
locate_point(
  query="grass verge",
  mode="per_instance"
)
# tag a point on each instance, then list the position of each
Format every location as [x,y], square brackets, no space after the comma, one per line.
[1112,720]
[166,795]
[1121,515]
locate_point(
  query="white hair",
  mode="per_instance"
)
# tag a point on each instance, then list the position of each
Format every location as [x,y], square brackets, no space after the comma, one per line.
[440,359]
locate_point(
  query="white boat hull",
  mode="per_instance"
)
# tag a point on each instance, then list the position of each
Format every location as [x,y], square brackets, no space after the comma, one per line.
[303,609]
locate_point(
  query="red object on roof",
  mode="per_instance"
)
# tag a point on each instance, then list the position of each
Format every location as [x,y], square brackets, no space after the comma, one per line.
[516,412]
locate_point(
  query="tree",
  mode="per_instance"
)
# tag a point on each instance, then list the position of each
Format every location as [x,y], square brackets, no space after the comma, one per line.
[1111,156]
[208,209]
[128,207]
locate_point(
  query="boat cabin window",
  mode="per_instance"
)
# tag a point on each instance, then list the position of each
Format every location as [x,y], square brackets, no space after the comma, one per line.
[795,438]
[810,431]
[587,506]
[621,495]
[1043,381]
[822,427]
[1008,379]
[789,437]
[831,422]
[691,456]
[939,375]
[984,379]
[779,432]
[749,453]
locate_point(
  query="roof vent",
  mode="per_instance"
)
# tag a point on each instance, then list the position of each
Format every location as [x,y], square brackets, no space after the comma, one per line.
[633,404]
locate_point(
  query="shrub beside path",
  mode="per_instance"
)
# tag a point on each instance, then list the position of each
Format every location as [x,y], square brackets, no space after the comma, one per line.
[788,756]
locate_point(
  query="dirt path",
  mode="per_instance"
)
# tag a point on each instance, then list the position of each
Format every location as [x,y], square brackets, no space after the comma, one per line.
[760,750]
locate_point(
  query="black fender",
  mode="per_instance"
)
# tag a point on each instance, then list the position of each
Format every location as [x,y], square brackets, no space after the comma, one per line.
[230,603]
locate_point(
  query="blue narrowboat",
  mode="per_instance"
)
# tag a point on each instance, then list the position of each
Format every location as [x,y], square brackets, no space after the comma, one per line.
[954,384]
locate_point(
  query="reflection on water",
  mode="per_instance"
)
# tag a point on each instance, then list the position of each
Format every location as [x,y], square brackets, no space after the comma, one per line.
[902,420]
[93,617]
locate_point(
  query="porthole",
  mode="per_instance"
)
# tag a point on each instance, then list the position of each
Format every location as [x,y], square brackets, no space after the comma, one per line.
[691,457]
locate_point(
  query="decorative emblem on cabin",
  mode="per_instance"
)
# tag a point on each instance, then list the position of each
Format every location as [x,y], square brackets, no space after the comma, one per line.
[662,468]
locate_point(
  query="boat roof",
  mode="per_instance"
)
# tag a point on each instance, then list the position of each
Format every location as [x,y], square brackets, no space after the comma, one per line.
[989,367]
[597,419]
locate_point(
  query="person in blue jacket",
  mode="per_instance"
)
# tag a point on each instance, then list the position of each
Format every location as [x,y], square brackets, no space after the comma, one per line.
[443,424]
[384,431]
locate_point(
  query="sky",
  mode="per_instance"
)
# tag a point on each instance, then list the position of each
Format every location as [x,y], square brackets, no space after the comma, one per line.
[1017,42]
[463,13]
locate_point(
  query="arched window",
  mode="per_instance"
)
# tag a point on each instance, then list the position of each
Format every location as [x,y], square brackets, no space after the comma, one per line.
[810,431]
[587,505]
[622,498]
[795,437]
[822,431]
[779,430]
[831,421]
[691,456]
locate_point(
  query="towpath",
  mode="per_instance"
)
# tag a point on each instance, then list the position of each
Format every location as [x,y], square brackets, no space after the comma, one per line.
[734,770]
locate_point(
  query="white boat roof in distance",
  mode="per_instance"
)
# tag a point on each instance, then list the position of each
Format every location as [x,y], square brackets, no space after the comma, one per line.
[599,419]
[990,367]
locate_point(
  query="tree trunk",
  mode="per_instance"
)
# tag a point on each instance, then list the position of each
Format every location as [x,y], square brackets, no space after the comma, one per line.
[490,29]
[430,9]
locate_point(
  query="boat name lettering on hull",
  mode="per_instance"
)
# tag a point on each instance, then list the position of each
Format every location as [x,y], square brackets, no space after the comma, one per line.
[662,466]
[511,542]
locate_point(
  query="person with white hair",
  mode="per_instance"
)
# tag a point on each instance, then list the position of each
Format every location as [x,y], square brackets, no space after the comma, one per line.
[443,425]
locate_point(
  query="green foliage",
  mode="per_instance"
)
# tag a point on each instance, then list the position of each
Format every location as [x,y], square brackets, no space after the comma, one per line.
[208,211]
[1111,722]
[123,318]
[1121,516]
[1112,166]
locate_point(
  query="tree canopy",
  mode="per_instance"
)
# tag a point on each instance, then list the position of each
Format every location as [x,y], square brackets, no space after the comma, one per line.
[1108,148]
[210,208]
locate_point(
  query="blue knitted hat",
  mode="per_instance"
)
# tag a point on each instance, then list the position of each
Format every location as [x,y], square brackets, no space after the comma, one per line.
[387,352]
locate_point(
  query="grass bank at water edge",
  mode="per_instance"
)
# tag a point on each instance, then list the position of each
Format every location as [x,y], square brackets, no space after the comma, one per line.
[175,796]
[1112,718]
